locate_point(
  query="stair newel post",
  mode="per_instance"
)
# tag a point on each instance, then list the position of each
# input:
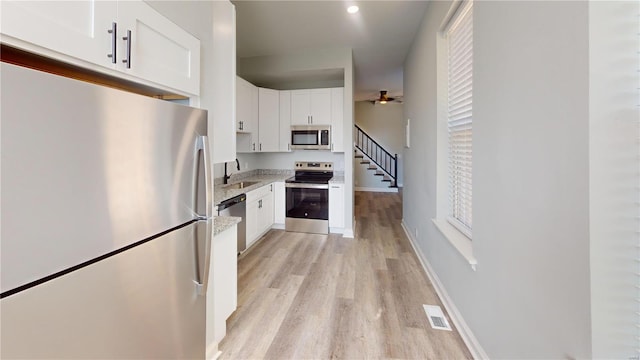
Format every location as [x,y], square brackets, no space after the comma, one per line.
[395,170]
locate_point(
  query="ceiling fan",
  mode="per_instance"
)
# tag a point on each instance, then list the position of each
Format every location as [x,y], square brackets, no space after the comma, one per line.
[383,99]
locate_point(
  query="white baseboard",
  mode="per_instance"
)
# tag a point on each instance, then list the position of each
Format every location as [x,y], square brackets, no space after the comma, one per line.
[375,189]
[465,332]
[212,352]
[278,226]
[347,233]
[335,230]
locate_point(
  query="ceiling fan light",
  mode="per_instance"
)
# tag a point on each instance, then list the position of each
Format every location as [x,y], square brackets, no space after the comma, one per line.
[383,102]
[352,9]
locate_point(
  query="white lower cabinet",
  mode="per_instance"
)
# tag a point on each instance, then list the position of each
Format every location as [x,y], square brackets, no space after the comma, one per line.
[259,212]
[336,207]
[265,219]
[252,222]
[224,283]
[280,205]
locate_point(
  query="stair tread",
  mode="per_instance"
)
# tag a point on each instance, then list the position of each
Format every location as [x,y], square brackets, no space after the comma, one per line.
[372,168]
[365,162]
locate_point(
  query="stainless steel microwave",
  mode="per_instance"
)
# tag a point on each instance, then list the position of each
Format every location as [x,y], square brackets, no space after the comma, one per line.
[311,137]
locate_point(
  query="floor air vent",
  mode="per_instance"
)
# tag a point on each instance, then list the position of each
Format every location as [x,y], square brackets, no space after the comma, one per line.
[436,317]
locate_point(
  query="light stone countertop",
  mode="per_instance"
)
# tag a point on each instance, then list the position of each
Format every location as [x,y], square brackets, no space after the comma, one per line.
[222,223]
[337,180]
[220,193]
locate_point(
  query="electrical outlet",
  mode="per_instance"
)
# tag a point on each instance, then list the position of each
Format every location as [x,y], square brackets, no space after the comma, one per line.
[246,166]
[416,233]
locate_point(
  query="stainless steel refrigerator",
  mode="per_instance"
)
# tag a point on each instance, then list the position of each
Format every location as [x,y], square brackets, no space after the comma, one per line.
[105,222]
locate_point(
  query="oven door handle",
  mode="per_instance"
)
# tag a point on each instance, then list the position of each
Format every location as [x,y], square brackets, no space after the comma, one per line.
[306,186]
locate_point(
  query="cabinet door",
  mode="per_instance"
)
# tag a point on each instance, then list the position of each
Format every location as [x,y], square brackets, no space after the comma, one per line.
[279,199]
[253,119]
[223,98]
[223,283]
[243,105]
[160,51]
[247,118]
[300,107]
[285,120]
[75,28]
[320,106]
[268,120]
[336,206]
[337,115]
[267,211]
[252,221]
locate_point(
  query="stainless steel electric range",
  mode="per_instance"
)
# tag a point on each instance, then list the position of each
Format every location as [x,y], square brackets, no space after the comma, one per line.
[307,195]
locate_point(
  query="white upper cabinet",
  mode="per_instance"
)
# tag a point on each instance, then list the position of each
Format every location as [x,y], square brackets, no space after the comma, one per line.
[79,29]
[244,105]
[222,98]
[268,120]
[285,120]
[270,129]
[156,48]
[311,107]
[247,102]
[300,104]
[337,119]
[92,32]
[320,106]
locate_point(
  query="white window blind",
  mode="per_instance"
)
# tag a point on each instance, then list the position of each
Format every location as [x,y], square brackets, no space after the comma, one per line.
[459,117]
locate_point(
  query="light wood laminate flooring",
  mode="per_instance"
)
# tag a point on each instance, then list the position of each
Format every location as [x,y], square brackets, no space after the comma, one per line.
[306,296]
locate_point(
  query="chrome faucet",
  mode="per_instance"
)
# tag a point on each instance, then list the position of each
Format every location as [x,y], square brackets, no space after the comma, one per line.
[225,178]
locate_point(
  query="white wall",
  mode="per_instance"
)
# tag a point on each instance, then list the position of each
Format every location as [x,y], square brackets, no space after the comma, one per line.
[614,168]
[385,125]
[529,297]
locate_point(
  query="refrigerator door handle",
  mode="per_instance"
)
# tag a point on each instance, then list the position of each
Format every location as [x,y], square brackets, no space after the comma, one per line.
[202,147]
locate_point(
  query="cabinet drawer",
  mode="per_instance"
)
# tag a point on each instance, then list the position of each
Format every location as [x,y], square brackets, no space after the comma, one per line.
[259,192]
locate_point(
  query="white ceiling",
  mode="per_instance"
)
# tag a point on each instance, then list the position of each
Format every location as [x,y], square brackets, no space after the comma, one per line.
[380,35]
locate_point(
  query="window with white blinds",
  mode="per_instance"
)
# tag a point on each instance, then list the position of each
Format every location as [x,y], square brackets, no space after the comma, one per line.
[459,37]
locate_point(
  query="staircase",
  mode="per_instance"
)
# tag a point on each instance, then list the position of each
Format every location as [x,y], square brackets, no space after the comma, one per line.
[376,158]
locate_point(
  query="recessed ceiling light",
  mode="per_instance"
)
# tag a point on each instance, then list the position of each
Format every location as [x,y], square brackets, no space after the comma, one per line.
[352,9]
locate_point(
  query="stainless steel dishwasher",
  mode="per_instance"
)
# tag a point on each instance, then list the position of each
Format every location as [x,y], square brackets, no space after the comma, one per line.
[237,206]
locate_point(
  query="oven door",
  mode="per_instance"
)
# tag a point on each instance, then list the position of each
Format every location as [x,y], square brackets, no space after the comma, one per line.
[307,208]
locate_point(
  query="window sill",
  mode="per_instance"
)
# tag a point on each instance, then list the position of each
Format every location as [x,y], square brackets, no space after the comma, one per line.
[459,241]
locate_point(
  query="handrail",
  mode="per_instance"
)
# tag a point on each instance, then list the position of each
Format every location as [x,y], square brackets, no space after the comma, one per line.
[376,153]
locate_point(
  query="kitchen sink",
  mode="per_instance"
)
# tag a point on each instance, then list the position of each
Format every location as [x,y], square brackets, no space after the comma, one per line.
[240,185]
